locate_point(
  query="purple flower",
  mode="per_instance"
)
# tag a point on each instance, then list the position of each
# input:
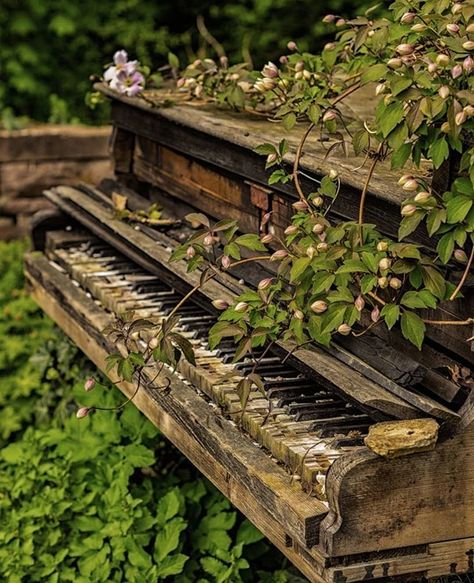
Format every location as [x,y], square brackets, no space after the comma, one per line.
[129,85]
[123,75]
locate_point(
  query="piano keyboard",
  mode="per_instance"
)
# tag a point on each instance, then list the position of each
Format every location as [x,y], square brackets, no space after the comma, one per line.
[302,423]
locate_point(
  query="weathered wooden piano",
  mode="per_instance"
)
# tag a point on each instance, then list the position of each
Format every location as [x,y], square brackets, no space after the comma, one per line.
[337,510]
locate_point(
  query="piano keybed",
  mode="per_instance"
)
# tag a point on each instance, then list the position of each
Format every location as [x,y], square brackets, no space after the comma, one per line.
[302,423]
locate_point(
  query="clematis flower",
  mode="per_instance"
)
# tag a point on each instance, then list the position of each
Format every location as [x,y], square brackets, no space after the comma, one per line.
[129,85]
[121,66]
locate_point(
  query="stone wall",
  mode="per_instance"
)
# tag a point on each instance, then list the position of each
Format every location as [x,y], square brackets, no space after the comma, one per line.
[42,156]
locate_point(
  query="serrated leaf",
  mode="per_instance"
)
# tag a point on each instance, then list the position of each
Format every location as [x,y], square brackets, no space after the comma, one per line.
[390,313]
[298,267]
[172,565]
[433,281]
[391,117]
[374,73]
[458,208]
[409,224]
[250,241]
[413,328]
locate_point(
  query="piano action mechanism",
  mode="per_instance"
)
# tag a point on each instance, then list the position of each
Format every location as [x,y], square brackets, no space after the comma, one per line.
[294,461]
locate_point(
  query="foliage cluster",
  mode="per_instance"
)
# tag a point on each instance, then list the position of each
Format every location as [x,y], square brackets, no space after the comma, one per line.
[106,499]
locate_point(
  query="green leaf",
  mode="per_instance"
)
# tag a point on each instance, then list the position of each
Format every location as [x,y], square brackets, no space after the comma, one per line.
[173,60]
[412,299]
[352,266]
[250,241]
[400,156]
[399,84]
[438,152]
[409,224]
[374,73]
[298,267]
[168,506]
[289,121]
[266,149]
[167,539]
[434,281]
[322,281]
[457,209]
[314,113]
[391,313]
[172,565]
[391,117]
[434,220]
[445,247]
[413,328]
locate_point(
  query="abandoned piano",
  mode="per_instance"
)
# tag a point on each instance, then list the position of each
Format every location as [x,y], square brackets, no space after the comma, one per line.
[303,476]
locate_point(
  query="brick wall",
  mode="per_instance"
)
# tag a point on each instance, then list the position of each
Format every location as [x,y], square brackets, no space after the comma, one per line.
[36,158]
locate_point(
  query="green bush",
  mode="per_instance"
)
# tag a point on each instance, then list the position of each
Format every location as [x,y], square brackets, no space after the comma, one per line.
[106,498]
[49,49]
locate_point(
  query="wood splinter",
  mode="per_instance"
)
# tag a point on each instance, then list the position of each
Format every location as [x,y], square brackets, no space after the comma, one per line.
[397,438]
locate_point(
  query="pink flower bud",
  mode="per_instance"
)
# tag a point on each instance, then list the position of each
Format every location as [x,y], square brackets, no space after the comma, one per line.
[468,64]
[270,70]
[225,261]
[359,303]
[395,283]
[319,306]
[279,255]
[190,252]
[408,18]
[375,314]
[241,307]
[422,197]
[291,230]
[460,256]
[419,27]
[456,8]
[300,205]
[266,217]
[299,66]
[408,210]
[83,412]
[382,246]
[468,45]
[283,60]
[329,46]
[460,118]
[410,185]
[329,18]
[265,283]
[394,63]
[89,384]
[456,71]
[322,247]
[271,158]
[268,238]
[329,115]
[442,60]
[224,61]
[432,68]
[208,240]
[180,83]
[444,91]
[385,264]
[220,304]
[452,28]
[405,178]
[292,46]
[318,201]
[298,314]
[311,251]
[318,228]
[344,329]
[469,110]
[405,49]
[382,282]
[340,22]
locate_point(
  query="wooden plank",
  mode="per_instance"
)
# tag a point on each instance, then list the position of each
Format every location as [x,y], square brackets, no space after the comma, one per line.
[147,253]
[186,418]
[380,504]
[54,142]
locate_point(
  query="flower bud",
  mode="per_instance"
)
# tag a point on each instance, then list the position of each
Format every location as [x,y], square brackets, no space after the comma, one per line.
[292,46]
[405,178]
[380,88]
[329,46]
[456,8]
[359,303]
[271,158]
[456,71]
[419,27]
[270,70]
[432,68]
[291,230]
[405,49]
[469,110]
[318,201]
[470,27]
[300,205]
[180,82]
[333,174]
[299,66]
[394,63]
[329,115]
[340,22]
[319,306]
[298,75]
[89,384]
[307,74]
[322,247]
[225,261]
[265,283]
[208,240]
[382,282]
[190,252]
[452,28]
[266,217]
[153,343]
[224,61]
[408,210]
[83,412]
[241,307]
[318,228]
[410,185]
[468,64]
[298,314]
[311,251]
[265,239]
[445,128]
[375,314]
[283,60]
[408,18]
[468,45]
[329,18]
[442,60]
[279,255]
[460,256]
[460,118]
[385,264]
[344,329]
[382,246]
[395,283]
[220,304]
[444,91]
[422,197]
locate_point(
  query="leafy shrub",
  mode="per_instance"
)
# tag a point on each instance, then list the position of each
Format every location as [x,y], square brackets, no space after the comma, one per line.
[106,498]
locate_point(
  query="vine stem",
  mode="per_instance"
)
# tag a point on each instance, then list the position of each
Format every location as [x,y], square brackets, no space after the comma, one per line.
[189,294]
[365,189]
[122,405]
[464,276]
[450,322]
